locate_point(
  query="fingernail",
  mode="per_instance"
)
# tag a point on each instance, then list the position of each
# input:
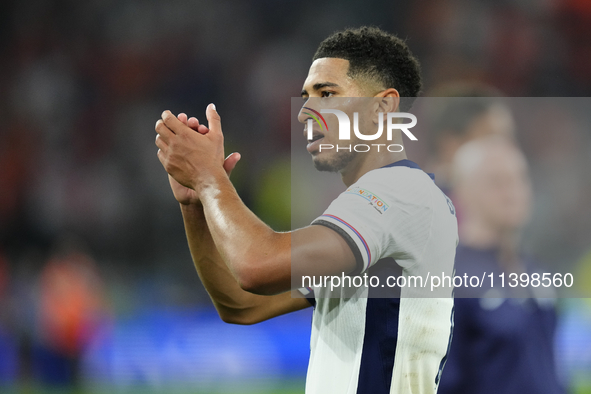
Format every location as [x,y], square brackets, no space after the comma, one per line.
[213,106]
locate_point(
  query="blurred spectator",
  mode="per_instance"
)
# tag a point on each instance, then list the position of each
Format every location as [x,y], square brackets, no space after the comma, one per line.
[71,306]
[573,19]
[17,164]
[503,341]
[3,282]
[8,346]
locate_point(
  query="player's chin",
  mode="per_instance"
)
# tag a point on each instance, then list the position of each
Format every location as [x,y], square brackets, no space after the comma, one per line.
[323,163]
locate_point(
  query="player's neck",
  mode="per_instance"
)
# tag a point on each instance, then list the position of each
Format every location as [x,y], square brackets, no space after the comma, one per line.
[364,163]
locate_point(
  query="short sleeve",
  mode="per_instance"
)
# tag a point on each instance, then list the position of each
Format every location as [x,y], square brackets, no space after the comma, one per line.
[385,214]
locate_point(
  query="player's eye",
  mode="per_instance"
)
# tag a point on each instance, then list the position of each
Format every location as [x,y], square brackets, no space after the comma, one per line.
[326,93]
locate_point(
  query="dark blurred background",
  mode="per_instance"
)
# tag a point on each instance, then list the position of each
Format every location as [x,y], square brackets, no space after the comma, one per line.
[86,214]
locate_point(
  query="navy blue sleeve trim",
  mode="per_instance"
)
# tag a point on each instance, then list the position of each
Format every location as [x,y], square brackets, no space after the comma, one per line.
[359,264]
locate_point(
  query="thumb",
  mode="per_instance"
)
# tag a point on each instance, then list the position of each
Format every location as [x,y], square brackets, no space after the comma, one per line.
[213,119]
[231,162]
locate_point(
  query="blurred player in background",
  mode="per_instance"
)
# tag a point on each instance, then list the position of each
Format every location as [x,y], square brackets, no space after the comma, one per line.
[461,112]
[72,307]
[503,342]
[359,344]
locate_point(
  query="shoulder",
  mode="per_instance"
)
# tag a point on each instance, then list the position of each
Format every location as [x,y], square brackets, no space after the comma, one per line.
[403,175]
[397,184]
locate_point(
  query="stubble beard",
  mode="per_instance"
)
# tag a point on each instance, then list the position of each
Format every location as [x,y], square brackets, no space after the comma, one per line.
[335,163]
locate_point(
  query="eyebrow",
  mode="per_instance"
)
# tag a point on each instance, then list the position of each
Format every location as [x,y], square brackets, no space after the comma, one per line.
[318,86]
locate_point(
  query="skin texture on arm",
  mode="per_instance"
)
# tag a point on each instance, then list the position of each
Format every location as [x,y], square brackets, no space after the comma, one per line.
[233,304]
[261,260]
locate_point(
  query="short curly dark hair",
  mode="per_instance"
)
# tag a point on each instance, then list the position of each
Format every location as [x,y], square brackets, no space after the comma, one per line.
[379,55]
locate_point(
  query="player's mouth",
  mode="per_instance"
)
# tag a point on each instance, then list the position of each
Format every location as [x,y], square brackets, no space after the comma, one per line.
[314,143]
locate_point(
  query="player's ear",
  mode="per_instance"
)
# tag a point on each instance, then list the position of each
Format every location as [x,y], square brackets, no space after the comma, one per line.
[389,100]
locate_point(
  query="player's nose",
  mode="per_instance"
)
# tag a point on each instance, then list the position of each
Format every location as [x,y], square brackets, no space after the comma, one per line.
[312,104]
[302,116]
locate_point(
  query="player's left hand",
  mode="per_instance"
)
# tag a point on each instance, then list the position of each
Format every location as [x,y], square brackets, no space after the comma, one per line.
[191,158]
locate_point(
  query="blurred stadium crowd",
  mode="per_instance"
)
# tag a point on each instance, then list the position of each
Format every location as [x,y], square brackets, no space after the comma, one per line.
[86,213]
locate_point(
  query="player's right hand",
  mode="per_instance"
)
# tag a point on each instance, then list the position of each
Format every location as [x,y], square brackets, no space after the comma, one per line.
[183,194]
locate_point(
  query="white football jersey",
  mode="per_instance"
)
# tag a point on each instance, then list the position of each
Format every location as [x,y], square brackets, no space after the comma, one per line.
[397,223]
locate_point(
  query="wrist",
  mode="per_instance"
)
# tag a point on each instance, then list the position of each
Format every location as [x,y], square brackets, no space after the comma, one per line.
[192,209]
[191,205]
[210,182]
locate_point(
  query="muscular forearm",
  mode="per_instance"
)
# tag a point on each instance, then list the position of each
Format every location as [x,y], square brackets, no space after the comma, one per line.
[256,255]
[262,260]
[232,302]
